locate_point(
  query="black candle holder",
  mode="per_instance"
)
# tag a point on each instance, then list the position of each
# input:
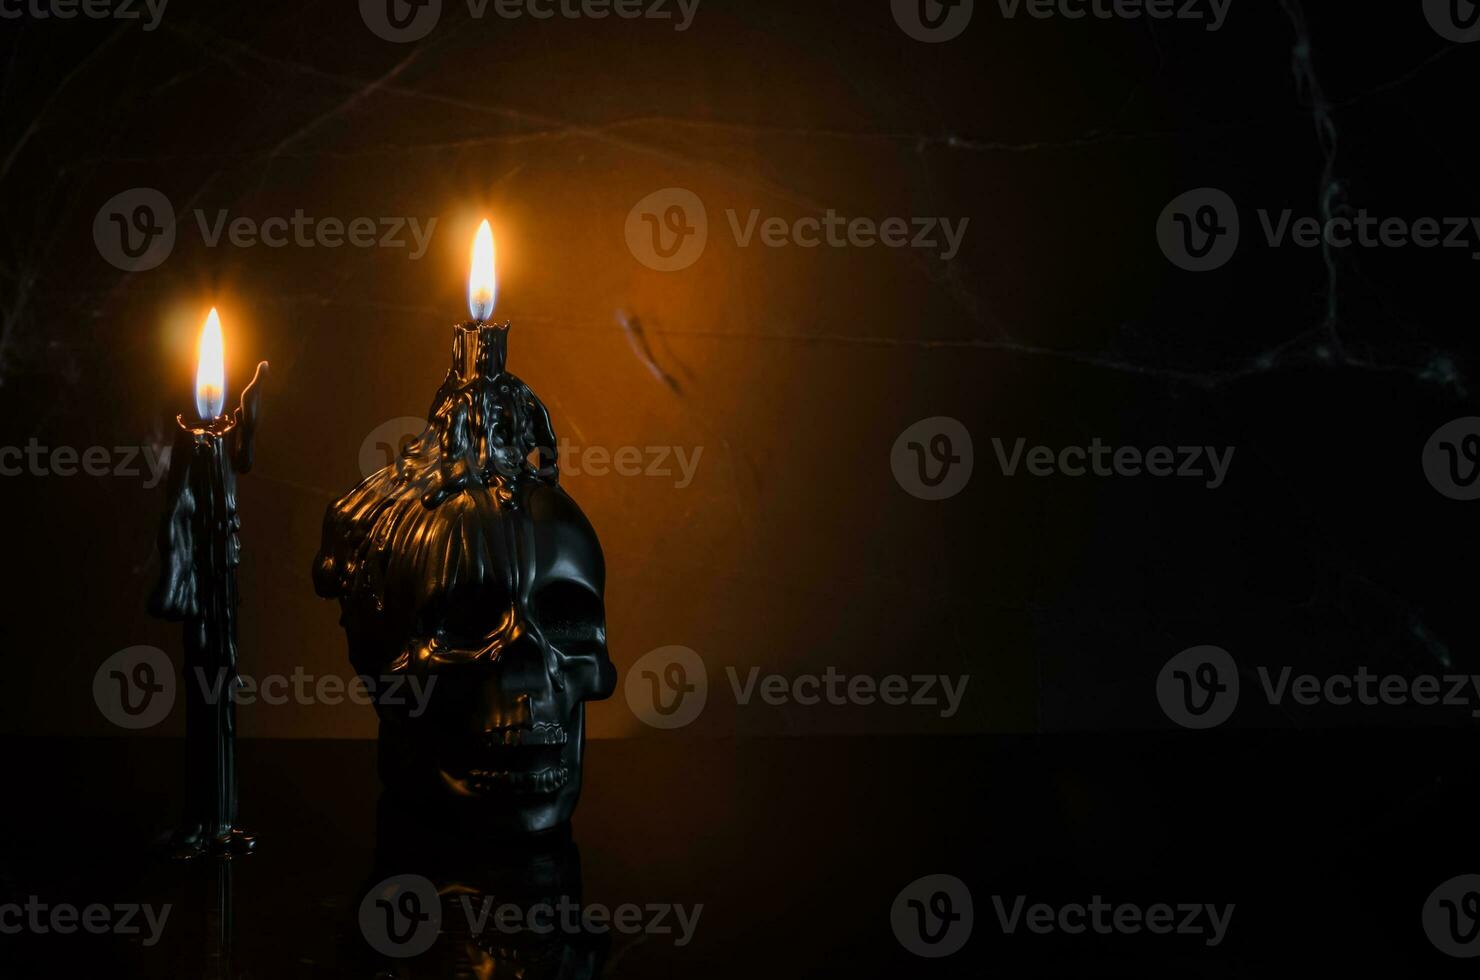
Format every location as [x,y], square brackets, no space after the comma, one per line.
[199,551]
[465,567]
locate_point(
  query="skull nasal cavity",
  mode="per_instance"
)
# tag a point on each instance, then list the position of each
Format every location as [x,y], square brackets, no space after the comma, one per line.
[504,713]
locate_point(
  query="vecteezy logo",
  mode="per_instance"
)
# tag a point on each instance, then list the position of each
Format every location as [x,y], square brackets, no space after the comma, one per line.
[401,916]
[1451,459]
[401,21]
[135,688]
[1198,230]
[1451,917]
[135,230]
[932,916]
[1454,20]
[933,21]
[667,688]
[1198,688]
[668,229]
[932,459]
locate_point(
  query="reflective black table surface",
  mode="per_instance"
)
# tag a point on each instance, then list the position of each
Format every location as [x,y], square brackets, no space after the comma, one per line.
[1235,854]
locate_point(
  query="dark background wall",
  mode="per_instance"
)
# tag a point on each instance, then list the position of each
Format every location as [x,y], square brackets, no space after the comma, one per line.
[790,371]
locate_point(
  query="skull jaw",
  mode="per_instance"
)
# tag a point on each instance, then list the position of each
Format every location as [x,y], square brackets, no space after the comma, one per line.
[414,768]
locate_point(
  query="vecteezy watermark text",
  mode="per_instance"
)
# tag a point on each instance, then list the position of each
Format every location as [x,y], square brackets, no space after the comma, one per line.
[836,688]
[836,231]
[403,915]
[45,461]
[1098,459]
[630,461]
[311,232]
[404,21]
[669,229]
[151,12]
[1126,918]
[933,917]
[136,230]
[1199,688]
[681,12]
[1199,230]
[329,689]
[388,441]
[569,917]
[135,688]
[669,687]
[935,21]
[122,919]
[1212,13]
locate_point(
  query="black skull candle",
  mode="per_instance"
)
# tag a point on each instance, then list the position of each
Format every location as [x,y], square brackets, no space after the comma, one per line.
[464,565]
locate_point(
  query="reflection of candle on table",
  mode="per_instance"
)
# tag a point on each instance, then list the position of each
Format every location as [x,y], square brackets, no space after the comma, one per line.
[199,553]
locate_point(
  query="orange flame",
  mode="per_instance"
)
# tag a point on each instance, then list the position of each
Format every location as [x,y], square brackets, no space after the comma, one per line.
[210,370]
[482,280]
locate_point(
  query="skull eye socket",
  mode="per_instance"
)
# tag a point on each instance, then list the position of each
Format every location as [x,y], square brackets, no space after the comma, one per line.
[572,617]
[458,625]
[467,617]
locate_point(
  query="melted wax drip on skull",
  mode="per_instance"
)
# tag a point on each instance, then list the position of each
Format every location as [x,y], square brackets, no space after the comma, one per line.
[488,440]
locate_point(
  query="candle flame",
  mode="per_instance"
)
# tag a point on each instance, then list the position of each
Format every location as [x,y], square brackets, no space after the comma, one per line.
[210,370]
[482,281]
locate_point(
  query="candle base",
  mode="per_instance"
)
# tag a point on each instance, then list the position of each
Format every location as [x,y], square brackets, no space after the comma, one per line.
[189,843]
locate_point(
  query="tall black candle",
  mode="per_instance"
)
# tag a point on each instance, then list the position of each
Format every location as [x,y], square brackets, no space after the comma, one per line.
[199,552]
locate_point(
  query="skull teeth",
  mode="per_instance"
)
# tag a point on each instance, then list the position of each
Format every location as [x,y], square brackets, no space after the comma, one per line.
[544,733]
[546,780]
